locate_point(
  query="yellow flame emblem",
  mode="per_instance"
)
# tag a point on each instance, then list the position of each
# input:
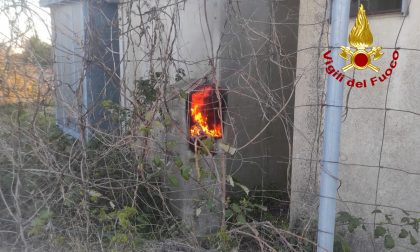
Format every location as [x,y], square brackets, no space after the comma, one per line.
[361,37]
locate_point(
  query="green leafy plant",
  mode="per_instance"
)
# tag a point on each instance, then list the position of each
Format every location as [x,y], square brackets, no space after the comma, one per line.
[406,222]
[340,243]
[381,231]
[240,211]
[145,91]
[39,223]
[345,218]
[180,74]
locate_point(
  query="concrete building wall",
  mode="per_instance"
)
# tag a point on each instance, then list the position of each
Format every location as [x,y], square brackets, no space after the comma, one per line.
[379,139]
[193,46]
[252,45]
[245,41]
[197,201]
[257,65]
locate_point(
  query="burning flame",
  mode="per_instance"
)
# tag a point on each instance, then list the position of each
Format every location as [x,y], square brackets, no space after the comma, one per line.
[201,127]
[361,36]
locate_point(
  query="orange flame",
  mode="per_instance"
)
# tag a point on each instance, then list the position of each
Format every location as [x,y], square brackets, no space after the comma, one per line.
[201,127]
[360,35]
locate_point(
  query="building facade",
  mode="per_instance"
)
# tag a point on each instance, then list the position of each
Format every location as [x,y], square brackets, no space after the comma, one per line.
[269,55]
[379,151]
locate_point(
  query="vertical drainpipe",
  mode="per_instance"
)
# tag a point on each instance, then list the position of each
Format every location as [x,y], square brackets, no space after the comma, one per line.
[332,126]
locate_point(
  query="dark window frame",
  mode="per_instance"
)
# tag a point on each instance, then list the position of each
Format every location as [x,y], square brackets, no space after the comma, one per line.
[353,12]
[403,9]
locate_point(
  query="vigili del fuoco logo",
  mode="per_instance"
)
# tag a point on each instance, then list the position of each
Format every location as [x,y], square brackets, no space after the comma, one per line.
[360,38]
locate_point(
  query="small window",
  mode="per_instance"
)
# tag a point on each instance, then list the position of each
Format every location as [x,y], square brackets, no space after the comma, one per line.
[376,6]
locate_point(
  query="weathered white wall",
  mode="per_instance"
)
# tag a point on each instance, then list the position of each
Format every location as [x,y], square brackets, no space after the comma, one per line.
[195,44]
[241,39]
[372,171]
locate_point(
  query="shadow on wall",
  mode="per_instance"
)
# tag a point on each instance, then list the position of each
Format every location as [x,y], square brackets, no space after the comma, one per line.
[258,67]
